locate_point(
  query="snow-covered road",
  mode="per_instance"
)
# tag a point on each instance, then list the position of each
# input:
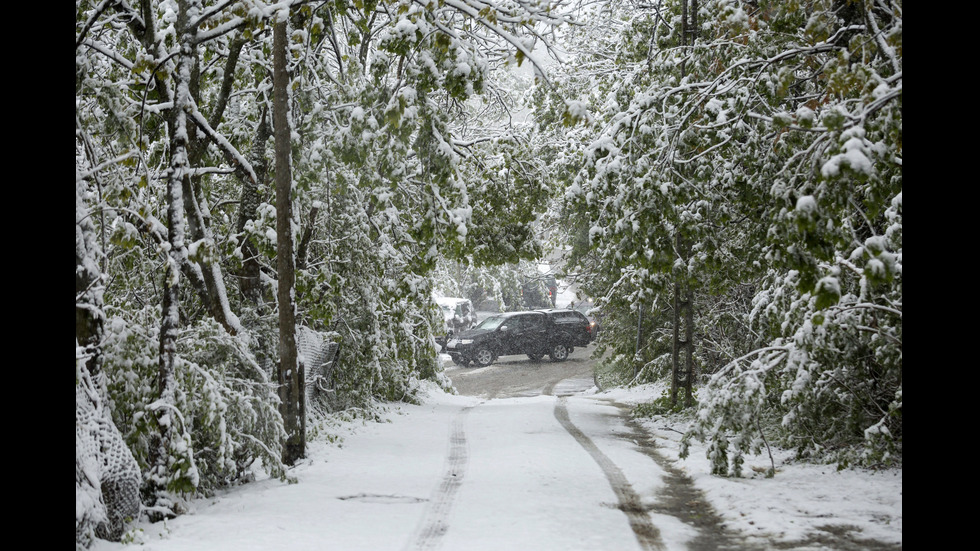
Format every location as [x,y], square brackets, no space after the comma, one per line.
[534,458]
[539,473]
[543,472]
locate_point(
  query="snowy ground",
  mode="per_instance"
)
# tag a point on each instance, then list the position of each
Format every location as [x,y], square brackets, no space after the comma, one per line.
[469,473]
[466,473]
[799,501]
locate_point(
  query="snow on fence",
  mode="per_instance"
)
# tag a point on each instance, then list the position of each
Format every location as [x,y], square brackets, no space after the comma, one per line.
[318,353]
[107,476]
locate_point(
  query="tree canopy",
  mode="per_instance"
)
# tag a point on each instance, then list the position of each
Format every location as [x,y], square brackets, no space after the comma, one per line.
[752,154]
[394,165]
[743,158]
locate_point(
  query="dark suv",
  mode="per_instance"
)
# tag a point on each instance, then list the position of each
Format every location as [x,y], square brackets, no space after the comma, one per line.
[577,327]
[538,333]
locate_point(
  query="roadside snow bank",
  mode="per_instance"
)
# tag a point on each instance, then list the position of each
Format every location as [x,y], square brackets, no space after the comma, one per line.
[800,500]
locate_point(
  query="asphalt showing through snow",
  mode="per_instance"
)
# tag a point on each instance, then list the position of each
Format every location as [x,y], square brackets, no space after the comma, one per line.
[630,503]
[677,501]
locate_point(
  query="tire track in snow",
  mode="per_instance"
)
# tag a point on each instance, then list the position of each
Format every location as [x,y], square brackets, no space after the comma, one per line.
[630,503]
[435,522]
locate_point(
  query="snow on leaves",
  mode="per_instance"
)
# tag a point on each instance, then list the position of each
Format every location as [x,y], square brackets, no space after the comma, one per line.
[764,148]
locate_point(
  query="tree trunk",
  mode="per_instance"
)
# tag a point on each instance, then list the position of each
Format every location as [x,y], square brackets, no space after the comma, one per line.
[304,243]
[682,356]
[249,277]
[171,461]
[682,368]
[291,377]
[89,319]
[169,331]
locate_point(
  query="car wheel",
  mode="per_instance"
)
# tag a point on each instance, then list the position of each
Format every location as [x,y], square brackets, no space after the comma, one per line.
[535,357]
[559,353]
[483,357]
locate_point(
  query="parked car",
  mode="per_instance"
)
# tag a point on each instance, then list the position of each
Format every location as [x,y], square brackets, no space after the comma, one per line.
[458,315]
[537,334]
[579,328]
[588,308]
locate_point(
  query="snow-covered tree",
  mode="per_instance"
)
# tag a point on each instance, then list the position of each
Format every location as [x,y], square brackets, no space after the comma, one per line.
[107,477]
[174,120]
[762,149]
[402,173]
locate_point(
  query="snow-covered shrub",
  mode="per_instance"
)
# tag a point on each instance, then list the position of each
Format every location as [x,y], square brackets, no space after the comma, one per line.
[225,411]
[830,387]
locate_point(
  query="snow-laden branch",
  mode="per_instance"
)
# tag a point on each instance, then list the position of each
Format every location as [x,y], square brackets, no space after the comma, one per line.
[230,150]
[96,13]
[256,10]
[870,306]
[91,171]
[202,171]
[723,373]
[475,10]
[880,40]
[211,12]
[111,54]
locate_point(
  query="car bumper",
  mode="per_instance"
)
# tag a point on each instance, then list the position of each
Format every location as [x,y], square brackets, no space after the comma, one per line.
[457,349]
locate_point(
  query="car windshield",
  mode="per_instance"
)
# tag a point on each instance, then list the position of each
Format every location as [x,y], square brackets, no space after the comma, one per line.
[490,323]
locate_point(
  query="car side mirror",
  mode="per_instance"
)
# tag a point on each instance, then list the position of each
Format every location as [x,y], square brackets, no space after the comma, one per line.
[504,328]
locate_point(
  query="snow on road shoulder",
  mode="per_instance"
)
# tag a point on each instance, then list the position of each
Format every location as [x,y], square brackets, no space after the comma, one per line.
[372,489]
[800,500]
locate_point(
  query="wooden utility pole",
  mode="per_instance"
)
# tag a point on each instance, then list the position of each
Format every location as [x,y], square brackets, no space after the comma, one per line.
[291,377]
